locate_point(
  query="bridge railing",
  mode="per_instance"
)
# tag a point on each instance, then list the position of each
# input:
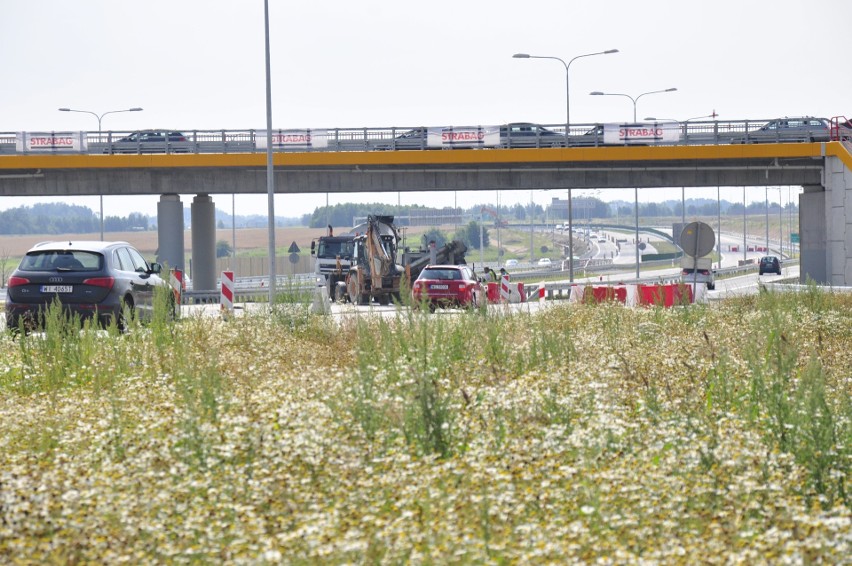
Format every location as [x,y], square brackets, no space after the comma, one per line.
[714,132]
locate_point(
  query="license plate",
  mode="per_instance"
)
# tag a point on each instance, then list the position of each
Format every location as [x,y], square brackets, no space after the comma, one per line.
[444,287]
[57,288]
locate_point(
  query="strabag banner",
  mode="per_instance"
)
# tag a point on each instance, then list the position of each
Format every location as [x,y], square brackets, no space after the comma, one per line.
[463,136]
[293,139]
[642,133]
[26,142]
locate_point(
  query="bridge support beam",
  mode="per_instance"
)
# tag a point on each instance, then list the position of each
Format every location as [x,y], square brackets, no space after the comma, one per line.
[170,231]
[203,212]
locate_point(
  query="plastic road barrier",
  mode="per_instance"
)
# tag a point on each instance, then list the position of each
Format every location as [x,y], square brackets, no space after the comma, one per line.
[176,282]
[227,293]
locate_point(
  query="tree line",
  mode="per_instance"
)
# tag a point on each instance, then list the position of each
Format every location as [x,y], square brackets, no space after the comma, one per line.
[62,218]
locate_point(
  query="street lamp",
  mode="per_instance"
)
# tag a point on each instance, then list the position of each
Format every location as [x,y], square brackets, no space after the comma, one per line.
[567,132]
[100,118]
[634,100]
[635,190]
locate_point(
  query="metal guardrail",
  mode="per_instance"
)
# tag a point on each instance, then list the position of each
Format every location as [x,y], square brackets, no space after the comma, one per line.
[394,138]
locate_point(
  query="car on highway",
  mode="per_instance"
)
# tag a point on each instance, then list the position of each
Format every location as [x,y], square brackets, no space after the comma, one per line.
[152,141]
[769,264]
[798,129]
[100,281]
[447,286]
[545,262]
[699,276]
[511,263]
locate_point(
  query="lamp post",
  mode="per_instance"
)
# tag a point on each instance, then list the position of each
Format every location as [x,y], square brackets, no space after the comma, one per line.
[100,118]
[636,190]
[634,100]
[567,133]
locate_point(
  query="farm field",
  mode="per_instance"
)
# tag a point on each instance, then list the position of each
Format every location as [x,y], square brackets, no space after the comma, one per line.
[586,433]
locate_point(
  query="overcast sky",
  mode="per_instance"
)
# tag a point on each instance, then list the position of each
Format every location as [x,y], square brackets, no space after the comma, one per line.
[199,64]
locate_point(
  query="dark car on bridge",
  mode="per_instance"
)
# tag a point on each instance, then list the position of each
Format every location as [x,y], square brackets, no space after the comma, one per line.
[525,134]
[101,281]
[152,141]
[804,129]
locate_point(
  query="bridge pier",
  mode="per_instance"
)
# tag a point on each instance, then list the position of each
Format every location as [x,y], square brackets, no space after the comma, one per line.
[838,222]
[203,212]
[170,250]
[825,221]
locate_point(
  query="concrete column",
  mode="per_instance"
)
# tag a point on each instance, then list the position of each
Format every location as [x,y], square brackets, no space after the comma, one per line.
[170,250]
[203,213]
[812,241]
[838,221]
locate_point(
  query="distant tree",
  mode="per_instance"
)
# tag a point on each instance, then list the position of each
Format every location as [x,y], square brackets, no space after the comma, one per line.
[469,234]
[434,234]
[223,249]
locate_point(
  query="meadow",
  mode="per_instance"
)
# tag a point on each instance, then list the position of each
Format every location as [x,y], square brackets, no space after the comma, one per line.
[583,434]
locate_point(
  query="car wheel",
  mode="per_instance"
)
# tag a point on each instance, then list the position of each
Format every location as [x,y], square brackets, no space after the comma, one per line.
[126,314]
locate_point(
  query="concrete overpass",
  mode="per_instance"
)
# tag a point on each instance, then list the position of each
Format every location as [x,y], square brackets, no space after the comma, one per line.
[823,169]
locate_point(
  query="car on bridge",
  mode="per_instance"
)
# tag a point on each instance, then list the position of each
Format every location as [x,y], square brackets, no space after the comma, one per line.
[152,141]
[800,129]
[514,135]
[100,281]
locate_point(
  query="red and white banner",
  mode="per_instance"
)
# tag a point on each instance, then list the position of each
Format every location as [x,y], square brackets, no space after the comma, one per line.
[463,136]
[642,133]
[26,142]
[293,139]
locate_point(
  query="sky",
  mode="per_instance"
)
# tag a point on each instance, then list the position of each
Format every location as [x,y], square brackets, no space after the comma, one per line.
[199,64]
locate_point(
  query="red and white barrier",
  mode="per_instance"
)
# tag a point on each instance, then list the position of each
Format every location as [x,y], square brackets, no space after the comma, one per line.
[176,283]
[541,292]
[505,293]
[635,295]
[226,299]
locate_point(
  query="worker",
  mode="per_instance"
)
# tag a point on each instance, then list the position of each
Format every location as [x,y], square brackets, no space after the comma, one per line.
[330,231]
[503,272]
[491,273]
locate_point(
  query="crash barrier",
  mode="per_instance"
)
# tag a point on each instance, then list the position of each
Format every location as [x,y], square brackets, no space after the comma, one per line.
[226,299]
[637,295]
[176,283]
[515,293]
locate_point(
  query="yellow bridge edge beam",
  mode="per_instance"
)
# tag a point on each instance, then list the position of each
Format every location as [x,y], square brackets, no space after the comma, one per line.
[429,157]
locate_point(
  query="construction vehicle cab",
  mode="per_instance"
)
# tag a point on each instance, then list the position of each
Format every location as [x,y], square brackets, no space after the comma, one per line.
[374,272]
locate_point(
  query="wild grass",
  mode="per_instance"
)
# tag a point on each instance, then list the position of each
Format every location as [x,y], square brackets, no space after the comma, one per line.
[583,433]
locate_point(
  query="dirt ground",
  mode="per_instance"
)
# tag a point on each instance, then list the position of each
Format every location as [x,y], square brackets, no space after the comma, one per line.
[146,242]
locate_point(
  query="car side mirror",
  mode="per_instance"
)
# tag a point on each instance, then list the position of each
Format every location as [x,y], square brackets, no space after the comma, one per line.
[156,268]
[313,247]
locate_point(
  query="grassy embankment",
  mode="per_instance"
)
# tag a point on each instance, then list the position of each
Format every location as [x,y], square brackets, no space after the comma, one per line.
[698,434]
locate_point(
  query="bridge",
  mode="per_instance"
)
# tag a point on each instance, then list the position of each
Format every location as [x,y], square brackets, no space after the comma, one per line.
[383,159]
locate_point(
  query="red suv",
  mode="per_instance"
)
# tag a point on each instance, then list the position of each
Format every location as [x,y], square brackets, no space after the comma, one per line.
[447,286]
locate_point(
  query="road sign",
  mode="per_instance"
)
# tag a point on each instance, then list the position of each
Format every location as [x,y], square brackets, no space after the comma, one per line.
[794,237]
[294,258]
[294,249]
[697,239]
